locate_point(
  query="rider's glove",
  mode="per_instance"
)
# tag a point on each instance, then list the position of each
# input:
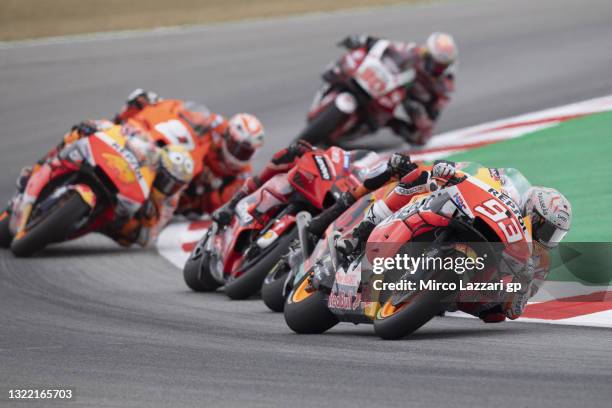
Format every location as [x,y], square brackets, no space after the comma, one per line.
[223,216]
[24,177]
[443,169]
[299,148]
[400,164]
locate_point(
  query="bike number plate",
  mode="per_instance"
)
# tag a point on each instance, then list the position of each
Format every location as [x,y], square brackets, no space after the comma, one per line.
[374,77]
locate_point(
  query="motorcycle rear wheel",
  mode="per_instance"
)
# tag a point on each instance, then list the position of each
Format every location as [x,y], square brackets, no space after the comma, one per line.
[249,283]
[307,312]
[319,130]
[52,228]
[196,271]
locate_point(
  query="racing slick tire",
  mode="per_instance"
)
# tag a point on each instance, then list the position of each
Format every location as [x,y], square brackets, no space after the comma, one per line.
[250,281]
[307,312]
[196,271]
[272,288]
[51,228]
[320,128]
[396,322]
[5,233]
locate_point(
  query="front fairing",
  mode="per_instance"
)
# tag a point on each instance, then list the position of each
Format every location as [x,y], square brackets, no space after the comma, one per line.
[131,177]
[317,175]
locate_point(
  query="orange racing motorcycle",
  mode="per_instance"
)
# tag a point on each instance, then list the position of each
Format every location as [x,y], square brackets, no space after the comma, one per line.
[93,182]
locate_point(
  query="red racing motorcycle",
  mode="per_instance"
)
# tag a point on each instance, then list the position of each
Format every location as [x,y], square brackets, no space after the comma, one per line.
[240,255]
[299,259]
[366,92]
[472,219]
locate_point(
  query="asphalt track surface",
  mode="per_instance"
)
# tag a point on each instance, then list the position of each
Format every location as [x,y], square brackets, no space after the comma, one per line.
[121,329]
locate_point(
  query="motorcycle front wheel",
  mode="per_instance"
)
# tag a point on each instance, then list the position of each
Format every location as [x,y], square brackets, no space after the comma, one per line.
[52,227]
[306,312]
[393,322]
[196,271]
[273,286]
[255,270]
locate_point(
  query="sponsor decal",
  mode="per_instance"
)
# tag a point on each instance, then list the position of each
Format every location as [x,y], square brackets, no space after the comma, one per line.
[323,169]
[344,301]
[458,200]
[335,156]
[410,191]
[495,174]
[508,202]
[122,169]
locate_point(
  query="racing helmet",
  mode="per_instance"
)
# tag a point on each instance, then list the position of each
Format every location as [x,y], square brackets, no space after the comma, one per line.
[175,169]
[551,215]
[442,53]
[243,137]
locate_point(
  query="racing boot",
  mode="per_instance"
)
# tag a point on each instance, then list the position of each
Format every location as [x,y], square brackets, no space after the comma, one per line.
[319,224]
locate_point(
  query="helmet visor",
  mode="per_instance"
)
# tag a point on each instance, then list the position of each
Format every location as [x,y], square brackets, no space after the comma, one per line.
[434,67]
[242,151]
[546,233]
[166,183]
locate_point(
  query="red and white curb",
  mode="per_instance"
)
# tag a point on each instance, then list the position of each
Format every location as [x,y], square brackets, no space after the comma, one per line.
[477,136]
[580,305]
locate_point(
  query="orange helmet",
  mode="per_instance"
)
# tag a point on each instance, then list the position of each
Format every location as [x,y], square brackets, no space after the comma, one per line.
[243,137]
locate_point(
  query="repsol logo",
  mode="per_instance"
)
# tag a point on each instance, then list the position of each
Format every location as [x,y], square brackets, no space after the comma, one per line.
[323,169]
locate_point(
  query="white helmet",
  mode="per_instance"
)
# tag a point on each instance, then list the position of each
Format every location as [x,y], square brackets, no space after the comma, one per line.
[442,51]
[550,213]
[244,136]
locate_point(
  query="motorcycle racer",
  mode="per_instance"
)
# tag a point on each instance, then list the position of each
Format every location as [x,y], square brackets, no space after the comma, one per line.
[434,64]
[284,160]
[548,210]
[174,170]
[222,148]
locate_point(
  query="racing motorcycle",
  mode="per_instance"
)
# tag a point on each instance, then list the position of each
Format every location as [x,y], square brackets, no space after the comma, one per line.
[91,183]
[240,255]
[300,258]
[364,93]
[472,219]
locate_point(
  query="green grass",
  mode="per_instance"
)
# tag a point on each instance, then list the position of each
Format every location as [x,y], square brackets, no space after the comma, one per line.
[575,158]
